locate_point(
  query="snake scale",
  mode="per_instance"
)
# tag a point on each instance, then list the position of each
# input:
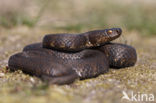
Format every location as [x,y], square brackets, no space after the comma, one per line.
[63,58]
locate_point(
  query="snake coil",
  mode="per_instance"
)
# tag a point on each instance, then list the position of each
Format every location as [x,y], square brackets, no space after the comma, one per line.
[62,58]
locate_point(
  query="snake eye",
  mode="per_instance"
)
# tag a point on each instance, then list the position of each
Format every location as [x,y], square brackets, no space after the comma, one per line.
[109,31]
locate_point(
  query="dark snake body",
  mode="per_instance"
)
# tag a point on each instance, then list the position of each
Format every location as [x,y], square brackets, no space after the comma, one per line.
[77,42]
[62,58]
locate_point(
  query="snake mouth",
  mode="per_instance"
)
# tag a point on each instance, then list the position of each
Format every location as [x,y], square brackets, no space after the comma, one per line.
[119,31]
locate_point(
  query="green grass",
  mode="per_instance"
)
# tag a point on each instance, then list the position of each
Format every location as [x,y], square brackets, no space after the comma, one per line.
[137,16]
[16,20]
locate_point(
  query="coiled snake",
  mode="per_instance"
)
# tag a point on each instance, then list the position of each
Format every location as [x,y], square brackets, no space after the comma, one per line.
[62,58]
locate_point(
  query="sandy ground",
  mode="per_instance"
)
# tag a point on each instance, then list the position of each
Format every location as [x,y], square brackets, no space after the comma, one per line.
[17,87]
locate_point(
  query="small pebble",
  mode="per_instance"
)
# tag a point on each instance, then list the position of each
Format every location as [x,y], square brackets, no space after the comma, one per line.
[32,80]
[2,75]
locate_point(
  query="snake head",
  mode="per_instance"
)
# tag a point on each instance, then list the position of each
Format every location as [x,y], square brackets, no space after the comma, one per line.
[100,37]
[113,33]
